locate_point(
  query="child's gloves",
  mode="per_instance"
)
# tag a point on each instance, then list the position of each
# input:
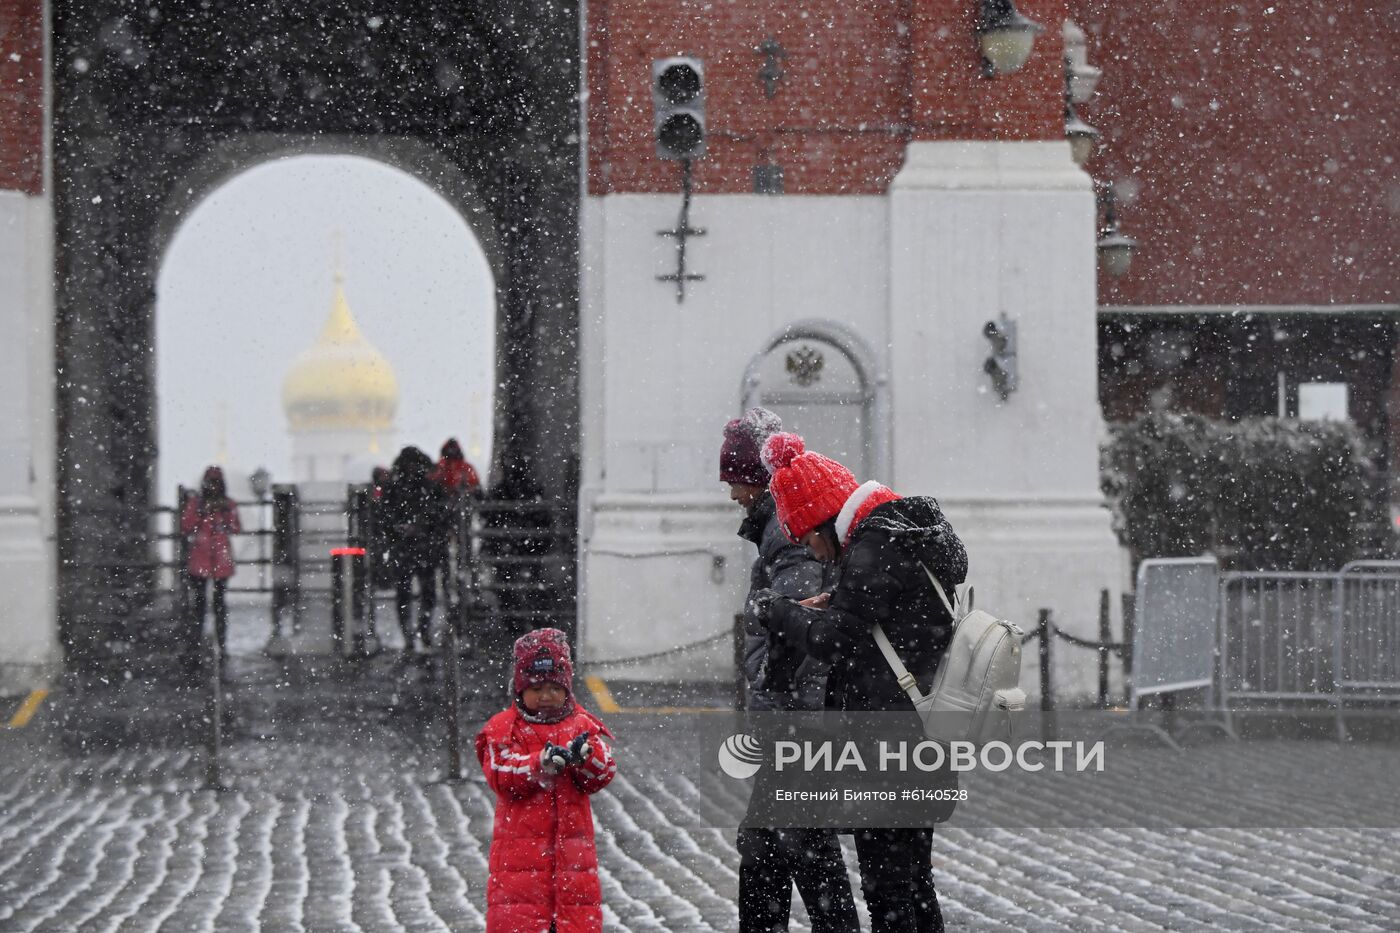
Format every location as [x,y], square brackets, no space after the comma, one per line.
[579,749]
[554,758]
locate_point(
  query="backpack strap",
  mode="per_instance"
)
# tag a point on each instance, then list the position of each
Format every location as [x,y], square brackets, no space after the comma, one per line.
[941,594]
[901,673]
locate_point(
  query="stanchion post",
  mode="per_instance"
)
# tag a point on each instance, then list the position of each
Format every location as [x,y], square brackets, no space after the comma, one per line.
[340,556]
[463,568]
[282,547]
[1129,608]
[182,582]
[359,599]
[1105,639]
[212,777]
[338,602]
[1042,627]
[286,571]
[454,700]
[373,554]
[1047,691]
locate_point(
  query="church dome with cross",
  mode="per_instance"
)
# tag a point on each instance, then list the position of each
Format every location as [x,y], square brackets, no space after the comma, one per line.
[342,391]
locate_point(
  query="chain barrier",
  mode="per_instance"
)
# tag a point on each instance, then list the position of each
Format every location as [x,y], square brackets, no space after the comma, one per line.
[666,653]
[1046,632]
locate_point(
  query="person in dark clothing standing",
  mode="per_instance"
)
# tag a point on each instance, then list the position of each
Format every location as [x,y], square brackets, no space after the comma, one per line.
[208,521]
[882,543]
[413,513]
[780,678]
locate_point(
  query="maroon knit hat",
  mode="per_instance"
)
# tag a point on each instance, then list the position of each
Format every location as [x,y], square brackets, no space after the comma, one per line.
[740,459]
[807,487]
[542,656]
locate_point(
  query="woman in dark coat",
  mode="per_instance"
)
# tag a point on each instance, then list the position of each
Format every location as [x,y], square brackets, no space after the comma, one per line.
[413,514]
[882,542]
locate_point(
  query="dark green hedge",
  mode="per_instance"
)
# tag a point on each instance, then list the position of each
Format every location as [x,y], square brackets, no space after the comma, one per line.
[1260,494]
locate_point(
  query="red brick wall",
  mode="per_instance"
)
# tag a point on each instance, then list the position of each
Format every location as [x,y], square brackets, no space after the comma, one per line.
[861,78]
[1261,139]
[22,95]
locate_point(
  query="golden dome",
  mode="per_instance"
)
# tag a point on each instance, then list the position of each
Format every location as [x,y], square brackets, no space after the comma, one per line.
[341,382]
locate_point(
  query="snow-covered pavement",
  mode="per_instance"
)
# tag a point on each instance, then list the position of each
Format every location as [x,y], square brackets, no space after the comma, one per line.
[344,825]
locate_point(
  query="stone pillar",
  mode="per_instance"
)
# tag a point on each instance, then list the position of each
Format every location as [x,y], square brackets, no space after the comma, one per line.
[28,631]
[979,229]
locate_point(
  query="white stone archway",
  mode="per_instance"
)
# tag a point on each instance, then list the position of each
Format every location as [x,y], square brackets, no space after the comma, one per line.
[432,340]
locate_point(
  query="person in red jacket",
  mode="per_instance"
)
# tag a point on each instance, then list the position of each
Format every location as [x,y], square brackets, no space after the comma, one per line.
[454,471]
[207,521]
[543,756]
[458,478]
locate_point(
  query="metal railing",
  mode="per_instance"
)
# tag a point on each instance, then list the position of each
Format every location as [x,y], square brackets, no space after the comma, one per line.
[1276,636]
[1366,657]
[1280,639]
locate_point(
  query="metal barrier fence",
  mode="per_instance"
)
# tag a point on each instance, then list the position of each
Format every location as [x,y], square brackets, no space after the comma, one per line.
[1176,651]
[1366,661]
[1276,636]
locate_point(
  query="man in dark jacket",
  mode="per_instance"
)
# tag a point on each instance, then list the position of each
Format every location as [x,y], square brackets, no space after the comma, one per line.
[883,544]
[413,514]
[780,678]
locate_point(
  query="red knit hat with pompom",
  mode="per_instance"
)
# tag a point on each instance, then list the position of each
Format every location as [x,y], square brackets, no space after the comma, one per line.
[807,487]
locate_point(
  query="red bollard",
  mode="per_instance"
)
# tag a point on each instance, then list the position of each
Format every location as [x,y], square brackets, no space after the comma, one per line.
[339,556]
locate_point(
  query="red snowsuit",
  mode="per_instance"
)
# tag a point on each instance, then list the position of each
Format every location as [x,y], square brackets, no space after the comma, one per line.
[544,867]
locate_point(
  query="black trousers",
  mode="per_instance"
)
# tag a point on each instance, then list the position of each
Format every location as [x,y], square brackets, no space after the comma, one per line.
[427,600]
[770,860]
[199,587]
[896,874]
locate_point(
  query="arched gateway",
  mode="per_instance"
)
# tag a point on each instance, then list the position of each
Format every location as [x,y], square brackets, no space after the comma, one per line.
[153,108]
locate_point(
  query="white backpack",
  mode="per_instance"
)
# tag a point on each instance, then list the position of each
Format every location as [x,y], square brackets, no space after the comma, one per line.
[980,672]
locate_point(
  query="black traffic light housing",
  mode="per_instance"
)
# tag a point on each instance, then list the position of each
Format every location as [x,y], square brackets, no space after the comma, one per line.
[1001,365]
[678,101]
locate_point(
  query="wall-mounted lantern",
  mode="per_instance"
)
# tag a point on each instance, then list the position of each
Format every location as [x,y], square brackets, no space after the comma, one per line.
[1083,77]
[1081,135]
[1005,37]
[1115,247]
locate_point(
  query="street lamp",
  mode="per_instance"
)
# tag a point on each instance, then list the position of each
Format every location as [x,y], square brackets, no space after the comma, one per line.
[260,481]
[1083,77]
[1081,135]
[1115,247]
[1005,37]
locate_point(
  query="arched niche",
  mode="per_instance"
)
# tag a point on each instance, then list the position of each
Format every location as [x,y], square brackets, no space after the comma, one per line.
[826,384]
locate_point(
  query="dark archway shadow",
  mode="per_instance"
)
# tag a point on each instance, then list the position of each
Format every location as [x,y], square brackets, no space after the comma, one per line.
[151,112]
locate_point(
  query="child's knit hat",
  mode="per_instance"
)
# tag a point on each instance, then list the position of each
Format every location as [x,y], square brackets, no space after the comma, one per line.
[542,656]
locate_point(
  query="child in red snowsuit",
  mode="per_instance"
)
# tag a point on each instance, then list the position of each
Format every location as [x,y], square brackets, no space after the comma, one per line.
[543,756]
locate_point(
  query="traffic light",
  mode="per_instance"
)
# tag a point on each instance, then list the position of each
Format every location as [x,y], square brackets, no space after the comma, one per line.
[678,100]
[1001,365]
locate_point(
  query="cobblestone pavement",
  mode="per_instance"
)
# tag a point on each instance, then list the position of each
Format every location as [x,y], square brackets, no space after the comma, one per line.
[341,824]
